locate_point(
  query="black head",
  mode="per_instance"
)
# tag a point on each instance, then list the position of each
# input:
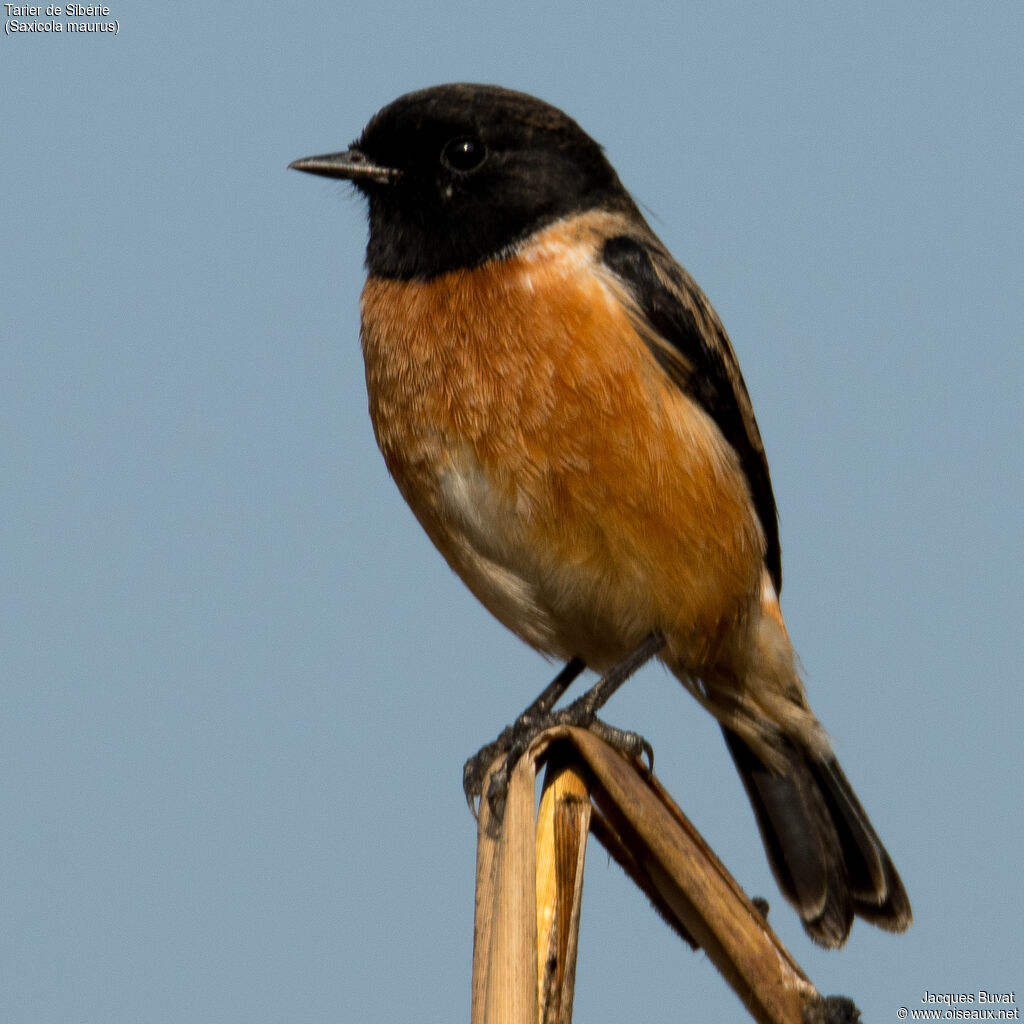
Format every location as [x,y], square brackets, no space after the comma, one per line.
[458,173]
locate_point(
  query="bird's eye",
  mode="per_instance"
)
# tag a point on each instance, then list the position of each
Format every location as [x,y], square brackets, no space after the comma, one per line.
[463,154]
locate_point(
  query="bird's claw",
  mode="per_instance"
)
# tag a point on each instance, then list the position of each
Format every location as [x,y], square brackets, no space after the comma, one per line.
[517,738]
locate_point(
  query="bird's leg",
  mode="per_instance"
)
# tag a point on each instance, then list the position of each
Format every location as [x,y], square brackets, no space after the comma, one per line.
[553,691]
[540,715]
[474,770]
[582,710]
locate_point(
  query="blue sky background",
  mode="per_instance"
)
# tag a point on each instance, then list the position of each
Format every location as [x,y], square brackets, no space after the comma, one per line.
[239,684]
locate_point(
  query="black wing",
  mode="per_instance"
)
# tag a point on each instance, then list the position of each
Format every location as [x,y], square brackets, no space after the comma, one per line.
[689,342]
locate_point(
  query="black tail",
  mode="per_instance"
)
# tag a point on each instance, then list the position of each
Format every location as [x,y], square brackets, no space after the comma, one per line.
[825,855]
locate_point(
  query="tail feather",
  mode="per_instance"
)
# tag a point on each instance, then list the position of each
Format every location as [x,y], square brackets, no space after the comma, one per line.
[876,886]
[824,853]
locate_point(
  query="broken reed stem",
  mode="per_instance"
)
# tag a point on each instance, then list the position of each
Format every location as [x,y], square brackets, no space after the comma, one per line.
[530,878]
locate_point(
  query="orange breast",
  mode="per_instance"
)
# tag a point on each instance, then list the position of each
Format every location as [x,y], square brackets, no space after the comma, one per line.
[574,488]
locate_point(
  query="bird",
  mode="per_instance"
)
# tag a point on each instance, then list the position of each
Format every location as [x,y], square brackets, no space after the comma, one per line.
[562,409]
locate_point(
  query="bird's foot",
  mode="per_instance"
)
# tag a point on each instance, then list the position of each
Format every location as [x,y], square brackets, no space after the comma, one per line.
[540,715]
[516,739]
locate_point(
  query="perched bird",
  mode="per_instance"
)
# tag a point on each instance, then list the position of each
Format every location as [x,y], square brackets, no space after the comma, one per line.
[563,411]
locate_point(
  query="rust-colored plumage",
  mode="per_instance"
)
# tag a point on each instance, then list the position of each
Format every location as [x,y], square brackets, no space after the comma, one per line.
[531,431]
[562,410]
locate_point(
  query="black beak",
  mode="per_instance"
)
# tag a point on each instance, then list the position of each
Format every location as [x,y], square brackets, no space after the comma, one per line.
[351,165]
